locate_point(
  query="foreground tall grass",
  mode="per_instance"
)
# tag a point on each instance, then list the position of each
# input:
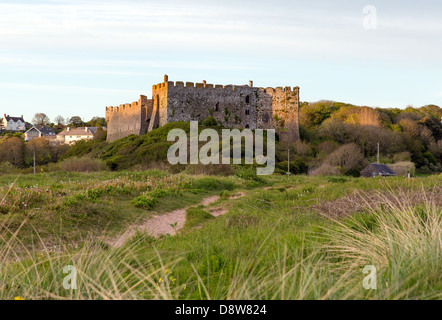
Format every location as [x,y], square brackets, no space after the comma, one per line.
[399,233]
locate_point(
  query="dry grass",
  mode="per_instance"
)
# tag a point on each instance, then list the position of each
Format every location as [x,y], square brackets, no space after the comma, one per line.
[83,164]
[367,201]
[398,231]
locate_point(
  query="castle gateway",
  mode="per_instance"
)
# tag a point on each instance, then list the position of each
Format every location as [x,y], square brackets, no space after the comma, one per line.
[231,106]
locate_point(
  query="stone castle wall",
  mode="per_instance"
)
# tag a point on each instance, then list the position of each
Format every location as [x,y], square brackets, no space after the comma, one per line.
[128,119]
[231,106]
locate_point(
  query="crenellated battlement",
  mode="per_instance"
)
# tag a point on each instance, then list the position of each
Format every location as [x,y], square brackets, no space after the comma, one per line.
[205,85]
[127,106]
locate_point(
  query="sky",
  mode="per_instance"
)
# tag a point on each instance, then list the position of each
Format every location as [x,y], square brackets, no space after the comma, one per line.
[74,58]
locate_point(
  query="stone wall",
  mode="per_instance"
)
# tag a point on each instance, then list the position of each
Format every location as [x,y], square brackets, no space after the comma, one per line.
[128,119]
[231,106]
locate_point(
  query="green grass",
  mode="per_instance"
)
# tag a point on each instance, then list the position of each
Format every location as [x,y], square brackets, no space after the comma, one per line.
[275,243]
[195,216]
[68,207]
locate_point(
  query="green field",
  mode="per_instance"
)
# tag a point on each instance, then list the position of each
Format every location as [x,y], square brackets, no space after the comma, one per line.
[279,237]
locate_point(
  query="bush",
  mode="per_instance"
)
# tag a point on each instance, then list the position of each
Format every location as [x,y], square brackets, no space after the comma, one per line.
[325,169]
[7,168]
[402,156]
[83,164]
[403,168]
[247,173]
[349,158]
[296,167]
[210,122]
[212,183]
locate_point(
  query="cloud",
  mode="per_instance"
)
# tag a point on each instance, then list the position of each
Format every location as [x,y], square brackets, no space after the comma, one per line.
[274,31]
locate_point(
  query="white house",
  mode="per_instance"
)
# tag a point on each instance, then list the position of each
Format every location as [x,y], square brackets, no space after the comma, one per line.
[72,135]
[13,123]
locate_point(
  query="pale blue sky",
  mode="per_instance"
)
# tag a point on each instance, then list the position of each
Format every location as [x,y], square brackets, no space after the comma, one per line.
[77,57]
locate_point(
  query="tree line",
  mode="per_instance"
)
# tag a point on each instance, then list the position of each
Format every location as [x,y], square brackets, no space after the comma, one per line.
[20,154]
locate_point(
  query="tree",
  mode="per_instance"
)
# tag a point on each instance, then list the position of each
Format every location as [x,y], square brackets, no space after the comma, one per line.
[348,158]
[12,151]
[42,150]
[59,120]
[40,119]
[75,121]
[97,122]
[410,127]
[100,135]
[314,114]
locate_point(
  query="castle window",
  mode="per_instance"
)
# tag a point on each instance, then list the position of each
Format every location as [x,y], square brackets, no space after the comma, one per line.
[247,112]
[248,99]
[217,106]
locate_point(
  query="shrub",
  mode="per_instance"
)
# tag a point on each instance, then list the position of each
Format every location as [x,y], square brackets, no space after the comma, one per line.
[212,183]
[83,164]
[402,156]
[349,158]
[210,122]
[325,169]
[431,159]
[247,173]
[149,200]
[402,168]
[6,168]
[296,167]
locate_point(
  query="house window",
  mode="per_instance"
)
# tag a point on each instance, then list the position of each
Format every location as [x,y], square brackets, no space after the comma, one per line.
[217,106]
[248,99]
[247,112]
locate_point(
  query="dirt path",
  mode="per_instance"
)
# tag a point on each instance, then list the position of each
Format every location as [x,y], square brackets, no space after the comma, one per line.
[159,225]
[219,211]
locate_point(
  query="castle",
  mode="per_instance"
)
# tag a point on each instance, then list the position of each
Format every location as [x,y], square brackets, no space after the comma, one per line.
[231,106]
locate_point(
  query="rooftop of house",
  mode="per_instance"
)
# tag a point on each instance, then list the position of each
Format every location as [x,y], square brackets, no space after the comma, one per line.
[43,130]
[82,131]
[15,119]
[383,169]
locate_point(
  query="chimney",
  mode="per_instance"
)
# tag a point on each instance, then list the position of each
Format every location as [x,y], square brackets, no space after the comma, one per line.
[166,78]
[250,83]
[204,82]
[21,116]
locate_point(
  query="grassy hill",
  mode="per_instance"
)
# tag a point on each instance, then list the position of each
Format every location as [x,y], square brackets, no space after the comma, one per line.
[410,139]
[336,139]
[287,238]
